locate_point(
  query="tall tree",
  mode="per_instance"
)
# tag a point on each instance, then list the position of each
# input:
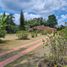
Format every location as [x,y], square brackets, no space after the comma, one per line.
[22,22]
[11,26]
[52,21]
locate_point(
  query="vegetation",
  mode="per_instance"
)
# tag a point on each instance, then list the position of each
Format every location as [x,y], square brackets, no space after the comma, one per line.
[36,22]
[34,34]
[57,42]
[58,48]
[22,21]
[60,27]
[63,32]
[3,19]
[10,54]
[58,51]
[52,21]
[22,35]
[10,25]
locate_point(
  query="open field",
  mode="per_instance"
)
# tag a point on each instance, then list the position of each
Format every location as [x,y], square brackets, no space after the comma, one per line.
[14,49]
[11,41]
[24,53]
[33,57]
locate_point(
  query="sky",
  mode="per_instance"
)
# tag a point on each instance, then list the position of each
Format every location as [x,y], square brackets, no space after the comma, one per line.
[35,9]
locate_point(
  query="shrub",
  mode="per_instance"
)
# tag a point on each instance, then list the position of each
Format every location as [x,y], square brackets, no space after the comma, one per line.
[22,35]
[43,32]
[63,32]
[11,29]
[2,33]
[58,48]
[33,34]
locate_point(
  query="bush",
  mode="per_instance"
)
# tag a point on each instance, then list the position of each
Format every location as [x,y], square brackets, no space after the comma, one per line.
[2,33]
[58,48]
[22,35]
[33,34]
[43,32]
[11,29]
[63,32]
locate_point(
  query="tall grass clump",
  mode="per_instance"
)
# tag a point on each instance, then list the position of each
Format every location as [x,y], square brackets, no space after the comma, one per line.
[34,34]
[58,50]
[22,35]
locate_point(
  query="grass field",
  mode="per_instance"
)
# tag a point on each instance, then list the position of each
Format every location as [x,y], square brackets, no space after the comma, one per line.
[12,42]
[31,59]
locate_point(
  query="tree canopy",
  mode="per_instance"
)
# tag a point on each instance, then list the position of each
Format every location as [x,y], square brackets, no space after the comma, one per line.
[52,21]
[36,22]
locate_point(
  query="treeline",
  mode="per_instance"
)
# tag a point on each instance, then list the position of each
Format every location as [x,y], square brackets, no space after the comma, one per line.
[7,24]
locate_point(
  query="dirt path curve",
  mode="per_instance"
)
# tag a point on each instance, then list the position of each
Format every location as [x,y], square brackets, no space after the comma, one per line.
[15,57]
[23,46]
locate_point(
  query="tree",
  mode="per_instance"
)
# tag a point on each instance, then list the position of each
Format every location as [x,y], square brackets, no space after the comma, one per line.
[33,22]
[3,19]
[60,27]
[36,22]
[22,22]
[52,21]
[11,26]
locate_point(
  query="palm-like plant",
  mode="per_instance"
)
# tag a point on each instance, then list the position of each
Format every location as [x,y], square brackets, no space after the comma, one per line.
[3,19]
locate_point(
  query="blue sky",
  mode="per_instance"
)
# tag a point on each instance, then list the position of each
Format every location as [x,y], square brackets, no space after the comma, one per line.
[35,8]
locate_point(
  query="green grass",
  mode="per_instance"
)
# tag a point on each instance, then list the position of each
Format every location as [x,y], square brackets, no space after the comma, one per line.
[20,60]
[17,61]
[26,65]
[10,54]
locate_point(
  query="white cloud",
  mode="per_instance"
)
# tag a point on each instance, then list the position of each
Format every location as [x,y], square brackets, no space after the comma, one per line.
[62,19]
[26,16]
[64,16]
[17,17]
[31,16]
[36,7]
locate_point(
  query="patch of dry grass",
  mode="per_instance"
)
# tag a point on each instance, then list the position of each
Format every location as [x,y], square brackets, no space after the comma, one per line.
[11,41]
